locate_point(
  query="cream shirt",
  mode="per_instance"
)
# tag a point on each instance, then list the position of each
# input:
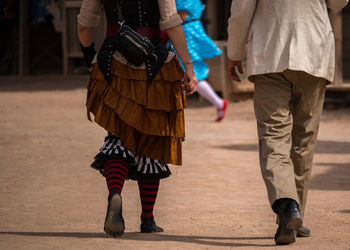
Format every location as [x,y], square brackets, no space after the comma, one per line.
[91,12]
[283,34]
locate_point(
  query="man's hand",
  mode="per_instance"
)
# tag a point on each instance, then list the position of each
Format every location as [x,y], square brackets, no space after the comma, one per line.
[231,69]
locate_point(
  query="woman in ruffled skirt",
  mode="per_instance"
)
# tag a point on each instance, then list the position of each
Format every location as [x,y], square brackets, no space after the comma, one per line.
[144,120]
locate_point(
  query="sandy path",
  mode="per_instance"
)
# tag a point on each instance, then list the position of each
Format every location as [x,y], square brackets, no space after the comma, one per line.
[51,199]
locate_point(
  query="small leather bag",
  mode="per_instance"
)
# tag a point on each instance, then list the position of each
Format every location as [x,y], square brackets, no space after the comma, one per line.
[134,47]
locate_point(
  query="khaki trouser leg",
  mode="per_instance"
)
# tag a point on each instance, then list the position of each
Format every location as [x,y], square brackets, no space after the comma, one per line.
[308,98]
[272,99]
[284,103]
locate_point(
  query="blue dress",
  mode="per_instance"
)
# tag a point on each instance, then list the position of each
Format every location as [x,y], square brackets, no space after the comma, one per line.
[199,44]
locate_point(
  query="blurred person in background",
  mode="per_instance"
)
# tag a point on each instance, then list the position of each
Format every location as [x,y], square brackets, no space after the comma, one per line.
[200,47]
[141,107]
[290,60]
[40,13]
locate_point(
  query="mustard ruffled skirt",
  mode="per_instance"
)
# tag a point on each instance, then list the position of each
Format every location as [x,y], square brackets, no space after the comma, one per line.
[145,121]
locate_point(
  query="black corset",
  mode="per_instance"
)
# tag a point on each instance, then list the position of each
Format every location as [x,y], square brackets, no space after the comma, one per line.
[136,13]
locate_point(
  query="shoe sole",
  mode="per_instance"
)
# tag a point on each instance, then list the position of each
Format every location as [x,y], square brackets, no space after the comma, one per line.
[301,235]
[288,234]
[114,223]
[111,233]
[151,231]
[148,231]
[286,238]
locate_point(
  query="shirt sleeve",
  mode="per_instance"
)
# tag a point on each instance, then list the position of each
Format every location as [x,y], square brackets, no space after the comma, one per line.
[336,4]
[90,13]
[239,24]
[169,17]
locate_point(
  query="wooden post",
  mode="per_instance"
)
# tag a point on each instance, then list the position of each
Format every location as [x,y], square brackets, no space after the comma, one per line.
[225,82]
[212,14]
[23,38]
[64,38]
[336,20]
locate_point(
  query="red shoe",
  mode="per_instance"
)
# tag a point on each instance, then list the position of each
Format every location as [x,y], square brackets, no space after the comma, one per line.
[223,111]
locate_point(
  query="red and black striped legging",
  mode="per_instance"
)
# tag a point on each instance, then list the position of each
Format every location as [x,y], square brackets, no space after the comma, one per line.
[148,194]
[116,171]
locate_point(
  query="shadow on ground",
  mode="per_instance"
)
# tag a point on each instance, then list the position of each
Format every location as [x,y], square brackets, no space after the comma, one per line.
[42,83]
[240,147]
[322,147]
[332,147]
[202,240]
[336,178]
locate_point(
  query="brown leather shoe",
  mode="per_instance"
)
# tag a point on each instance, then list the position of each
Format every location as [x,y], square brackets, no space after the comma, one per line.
[303,232]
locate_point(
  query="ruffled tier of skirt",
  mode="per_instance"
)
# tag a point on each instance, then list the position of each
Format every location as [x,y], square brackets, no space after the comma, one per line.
[140,167]
[147,119]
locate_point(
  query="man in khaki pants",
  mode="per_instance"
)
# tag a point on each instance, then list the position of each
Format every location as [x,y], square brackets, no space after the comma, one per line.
[290,59]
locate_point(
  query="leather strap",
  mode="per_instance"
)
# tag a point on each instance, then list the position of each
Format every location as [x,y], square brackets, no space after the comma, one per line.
[120,14]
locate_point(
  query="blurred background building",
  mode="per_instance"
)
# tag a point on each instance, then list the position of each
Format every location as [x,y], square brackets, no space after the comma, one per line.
[39,37]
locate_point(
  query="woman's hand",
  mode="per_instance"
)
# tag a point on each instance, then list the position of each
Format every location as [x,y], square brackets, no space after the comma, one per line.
[183,14]
[190,80]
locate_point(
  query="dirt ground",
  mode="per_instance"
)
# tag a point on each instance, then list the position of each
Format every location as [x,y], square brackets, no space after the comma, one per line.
[51,199]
